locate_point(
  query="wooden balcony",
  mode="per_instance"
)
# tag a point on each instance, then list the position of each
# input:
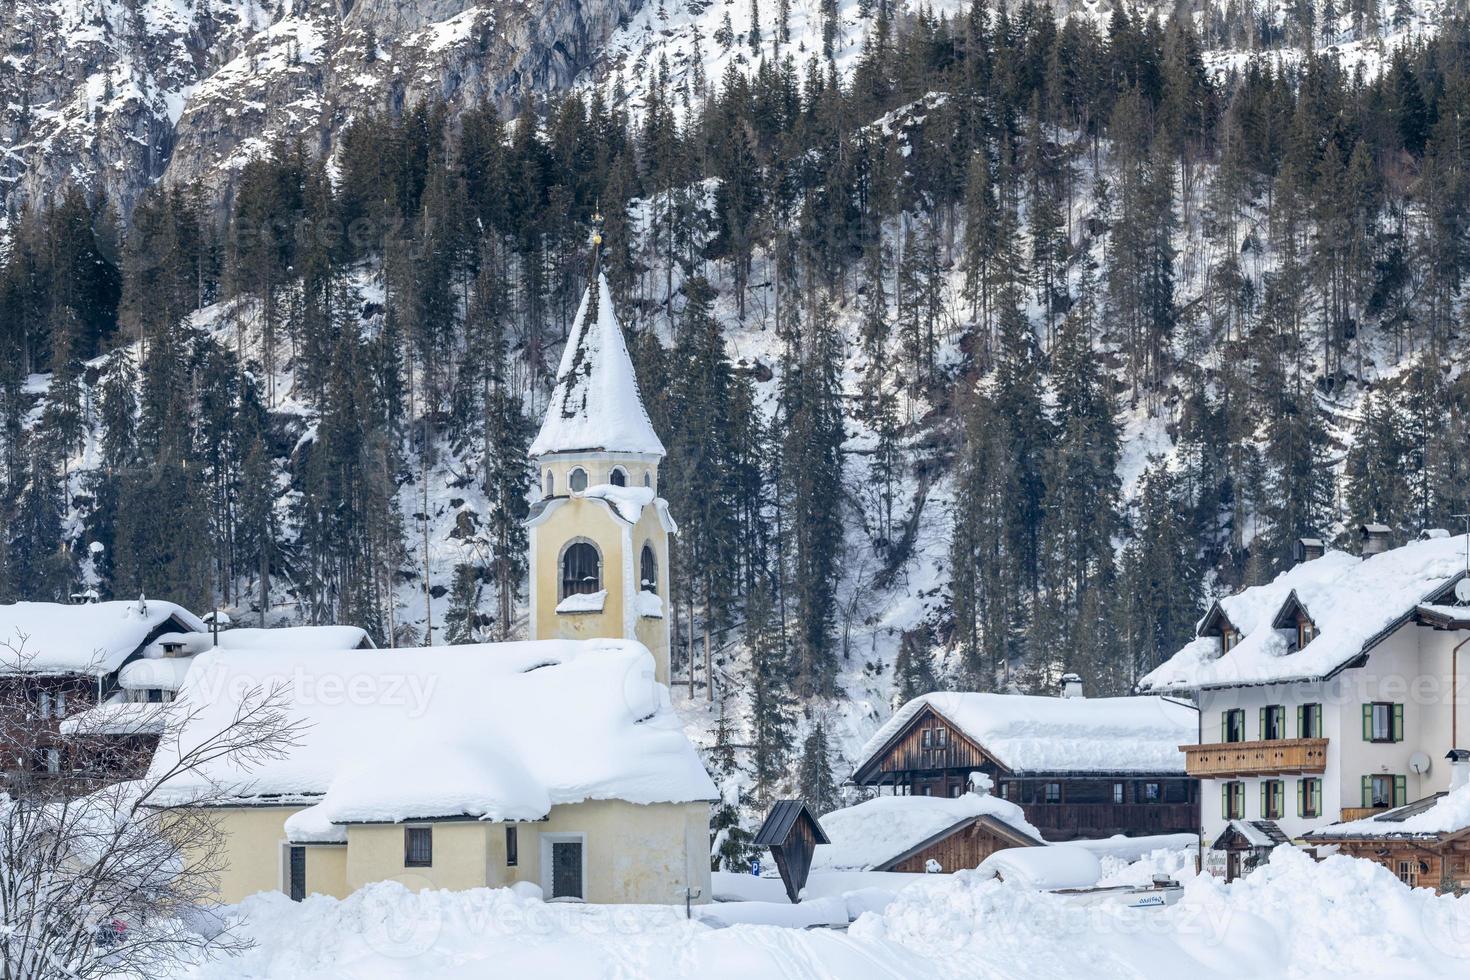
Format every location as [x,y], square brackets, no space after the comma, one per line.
[1264,758]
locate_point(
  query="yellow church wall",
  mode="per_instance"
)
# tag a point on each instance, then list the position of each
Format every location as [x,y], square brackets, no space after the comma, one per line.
[251,859]
[599,467]
[326,870]
[375,852]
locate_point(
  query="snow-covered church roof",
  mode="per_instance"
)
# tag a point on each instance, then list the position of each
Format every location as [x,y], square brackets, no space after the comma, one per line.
[491,731]
[596,406]
[92,638]
[1352,602]
[1032,733]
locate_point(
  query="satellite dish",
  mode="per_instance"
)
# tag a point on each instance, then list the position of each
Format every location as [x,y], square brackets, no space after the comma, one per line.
[1419,763]
[1462,591]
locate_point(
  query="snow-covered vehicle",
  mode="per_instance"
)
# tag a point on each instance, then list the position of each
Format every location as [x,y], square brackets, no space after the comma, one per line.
[1073,873]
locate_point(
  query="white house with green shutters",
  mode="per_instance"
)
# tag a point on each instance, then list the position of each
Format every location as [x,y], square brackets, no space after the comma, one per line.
[1326,694]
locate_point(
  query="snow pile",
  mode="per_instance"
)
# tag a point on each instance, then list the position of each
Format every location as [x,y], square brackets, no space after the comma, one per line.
[627,501]
[596,405]
[876,831]
[583,602]
[157,673]
[1054,866]
[1448,814]
[1351,602]
[303,638]
[1030,733]
[93,638]
[1294,918]
[492,731]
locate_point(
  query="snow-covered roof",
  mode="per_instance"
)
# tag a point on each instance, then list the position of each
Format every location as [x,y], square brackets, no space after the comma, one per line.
[93,638]
[1032,733]
[494,731]
[595,406]
[161,673]
[875,832]
[118,718]
[1352,602]
[305,638]
[1055,866]
[1431,817]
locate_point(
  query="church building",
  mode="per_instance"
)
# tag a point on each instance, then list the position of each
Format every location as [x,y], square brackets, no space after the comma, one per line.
[599,535]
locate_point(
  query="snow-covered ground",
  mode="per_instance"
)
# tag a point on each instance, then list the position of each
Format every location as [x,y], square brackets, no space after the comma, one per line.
[1294,918]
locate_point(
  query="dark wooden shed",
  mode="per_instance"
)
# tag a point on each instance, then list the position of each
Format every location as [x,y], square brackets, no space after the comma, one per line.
[792,833]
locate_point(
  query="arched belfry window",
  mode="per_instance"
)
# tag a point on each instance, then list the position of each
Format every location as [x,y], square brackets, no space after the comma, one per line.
[550,484]
[577,480]
[648,569]
[581,569]
[618,478]
[648,480]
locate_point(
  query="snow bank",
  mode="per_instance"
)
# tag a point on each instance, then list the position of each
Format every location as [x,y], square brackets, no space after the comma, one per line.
[595,405]
[305,638]
[493,731]
[876,831]
[92,638]
[1293,918]
[1029,733]
[162,673]
[1054,866]
[1351,601]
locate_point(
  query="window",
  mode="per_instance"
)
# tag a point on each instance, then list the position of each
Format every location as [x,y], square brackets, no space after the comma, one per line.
[1232,725]
[45,704]
[1384,790]
[648,569]
[941,737]
[1273,721]
[296,873]
[1408,872]
[648,480]
[1383,721]
[1309,797]
[1273,799]
[1232,800]
[512,848]
[956,790]
[53,761]
[550,484]
[155,696]
[1309,721]
[1150,793]
[927,738]
[1228,639]
[1053,792]
[578,480]
[1117,792]
[1306,630]
[581,569]
[418,847]
[618,477]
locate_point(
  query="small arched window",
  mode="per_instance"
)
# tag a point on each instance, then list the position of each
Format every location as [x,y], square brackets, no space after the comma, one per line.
[578,480]
[550,484]
[648,569]
[581,569]
[618,478]
[648,480]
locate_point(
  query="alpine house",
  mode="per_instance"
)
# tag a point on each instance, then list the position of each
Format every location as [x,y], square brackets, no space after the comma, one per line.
[1324,695]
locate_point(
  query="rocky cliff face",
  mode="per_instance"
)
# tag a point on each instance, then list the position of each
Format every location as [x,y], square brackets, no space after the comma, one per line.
[117,94]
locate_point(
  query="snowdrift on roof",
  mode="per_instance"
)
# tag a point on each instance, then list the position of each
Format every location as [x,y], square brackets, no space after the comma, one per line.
[875,832]
[1449,814]
[93,638]
[595,406]
[1030,733]
[1351,601]
[492,731]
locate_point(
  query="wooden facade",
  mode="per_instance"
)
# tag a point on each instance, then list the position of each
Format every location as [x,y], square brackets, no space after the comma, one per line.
[931,756]
[960,847]
[1442,864]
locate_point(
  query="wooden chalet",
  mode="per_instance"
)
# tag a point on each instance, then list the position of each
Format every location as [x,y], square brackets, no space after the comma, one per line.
[1426,843]
[792,832]
[1113,766]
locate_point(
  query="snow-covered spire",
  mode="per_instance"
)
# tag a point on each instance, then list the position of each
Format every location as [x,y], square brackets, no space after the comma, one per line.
[596,406]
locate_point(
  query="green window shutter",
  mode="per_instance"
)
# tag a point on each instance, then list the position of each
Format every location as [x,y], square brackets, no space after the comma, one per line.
[1225,801]
[1301,714]
[1367,725]
[1224,726]
[1316,797]
[1367,791]
[1264,784]
[1301,796]
[1398,723]
[1400,790]
[1261,725]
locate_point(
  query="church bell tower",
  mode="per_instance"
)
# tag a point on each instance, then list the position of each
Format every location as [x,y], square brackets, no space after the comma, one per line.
[599,535]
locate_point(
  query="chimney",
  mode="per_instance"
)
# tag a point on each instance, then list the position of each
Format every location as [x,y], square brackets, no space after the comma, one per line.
[1071,686]
[1459,768]
[1309,549]
[1374,538]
